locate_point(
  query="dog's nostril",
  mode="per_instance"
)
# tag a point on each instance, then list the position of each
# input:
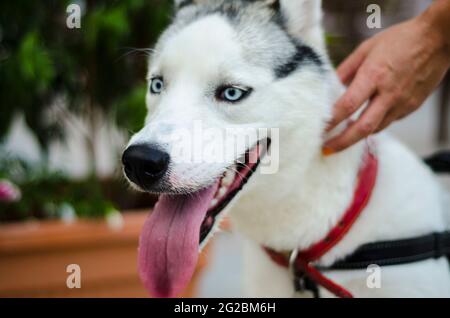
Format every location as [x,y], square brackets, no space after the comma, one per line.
[151,171]
[155,164]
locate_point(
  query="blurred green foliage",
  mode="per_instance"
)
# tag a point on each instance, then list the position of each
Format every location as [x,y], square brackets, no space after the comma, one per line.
[50,194]
[91,67]
[99,68]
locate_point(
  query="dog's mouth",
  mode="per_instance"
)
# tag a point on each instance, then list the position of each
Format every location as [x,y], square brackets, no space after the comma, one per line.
[170,238]
[229,185]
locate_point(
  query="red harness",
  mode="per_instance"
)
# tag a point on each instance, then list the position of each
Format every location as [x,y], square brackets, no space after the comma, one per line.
[303,262]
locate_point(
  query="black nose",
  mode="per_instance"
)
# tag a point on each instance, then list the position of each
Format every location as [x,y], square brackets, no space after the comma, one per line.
[145,164]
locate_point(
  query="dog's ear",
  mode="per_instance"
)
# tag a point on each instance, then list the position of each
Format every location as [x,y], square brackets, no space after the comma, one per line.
[303,19]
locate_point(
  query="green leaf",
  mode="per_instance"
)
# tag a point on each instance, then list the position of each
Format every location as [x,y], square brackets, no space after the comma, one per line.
[35,62]
[131,109]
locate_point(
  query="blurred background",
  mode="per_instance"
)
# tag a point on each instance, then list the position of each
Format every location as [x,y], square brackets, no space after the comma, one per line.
[70,99]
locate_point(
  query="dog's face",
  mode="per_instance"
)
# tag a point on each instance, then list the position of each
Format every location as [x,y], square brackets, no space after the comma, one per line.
[223,70]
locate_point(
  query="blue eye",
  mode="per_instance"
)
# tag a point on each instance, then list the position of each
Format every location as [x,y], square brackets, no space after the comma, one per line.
[156,85]
[232,94]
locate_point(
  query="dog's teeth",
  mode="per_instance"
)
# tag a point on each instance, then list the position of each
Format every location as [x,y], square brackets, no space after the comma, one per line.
[228,179]
[222,191]
[214,202]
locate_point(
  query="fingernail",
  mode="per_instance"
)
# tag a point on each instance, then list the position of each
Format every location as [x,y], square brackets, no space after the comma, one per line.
[327,151]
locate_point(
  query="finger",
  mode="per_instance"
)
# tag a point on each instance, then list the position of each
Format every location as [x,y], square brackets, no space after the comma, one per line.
[348,68]
[393,115]
[361,89]
[366,124]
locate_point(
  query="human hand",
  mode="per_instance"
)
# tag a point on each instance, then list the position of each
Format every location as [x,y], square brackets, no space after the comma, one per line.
[395,71]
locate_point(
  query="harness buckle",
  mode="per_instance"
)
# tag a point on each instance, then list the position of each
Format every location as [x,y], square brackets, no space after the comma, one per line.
[301,281]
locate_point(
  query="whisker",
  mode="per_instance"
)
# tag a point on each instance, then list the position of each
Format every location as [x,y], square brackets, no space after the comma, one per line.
[239,173]
[132,50]
[243,164]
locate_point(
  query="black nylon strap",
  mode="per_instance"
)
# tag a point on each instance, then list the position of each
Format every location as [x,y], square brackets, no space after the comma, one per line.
[439,162]
[396,252]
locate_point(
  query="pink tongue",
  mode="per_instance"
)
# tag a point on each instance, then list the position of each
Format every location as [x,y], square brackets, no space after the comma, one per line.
[169,242]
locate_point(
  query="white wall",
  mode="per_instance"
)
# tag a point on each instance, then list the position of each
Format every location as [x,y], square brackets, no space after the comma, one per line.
[70,155]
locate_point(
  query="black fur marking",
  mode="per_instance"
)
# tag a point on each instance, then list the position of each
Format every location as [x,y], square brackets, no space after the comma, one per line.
[276,6]
[226,9]
[185,3]
[304,54]
[229,8]
[231,12]
[279,19]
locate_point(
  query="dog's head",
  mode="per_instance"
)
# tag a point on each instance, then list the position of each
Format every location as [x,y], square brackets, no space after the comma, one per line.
[225,70]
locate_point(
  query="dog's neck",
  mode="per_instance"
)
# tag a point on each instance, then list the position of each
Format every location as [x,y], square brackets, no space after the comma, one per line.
[296,211]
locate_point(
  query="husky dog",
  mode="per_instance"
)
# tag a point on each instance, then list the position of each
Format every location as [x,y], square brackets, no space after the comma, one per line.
[263,64]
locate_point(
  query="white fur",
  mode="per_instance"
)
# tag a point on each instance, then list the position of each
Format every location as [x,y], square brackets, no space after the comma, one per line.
[298,205]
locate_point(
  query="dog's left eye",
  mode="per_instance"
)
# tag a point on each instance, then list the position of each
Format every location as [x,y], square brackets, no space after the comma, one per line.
[232,94]
[157,85]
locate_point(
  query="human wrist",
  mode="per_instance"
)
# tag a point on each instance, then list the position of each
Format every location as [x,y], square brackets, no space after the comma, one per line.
[436,22]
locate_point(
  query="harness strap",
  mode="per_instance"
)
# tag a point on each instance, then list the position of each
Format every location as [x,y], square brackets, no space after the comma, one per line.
[396,252]
[439,162]
[302,264]
[307,275]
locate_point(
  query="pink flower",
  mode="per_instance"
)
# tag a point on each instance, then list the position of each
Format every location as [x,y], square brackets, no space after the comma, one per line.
[9,192]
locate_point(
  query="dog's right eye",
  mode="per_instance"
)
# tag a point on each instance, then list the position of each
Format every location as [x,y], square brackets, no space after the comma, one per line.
[156,85]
